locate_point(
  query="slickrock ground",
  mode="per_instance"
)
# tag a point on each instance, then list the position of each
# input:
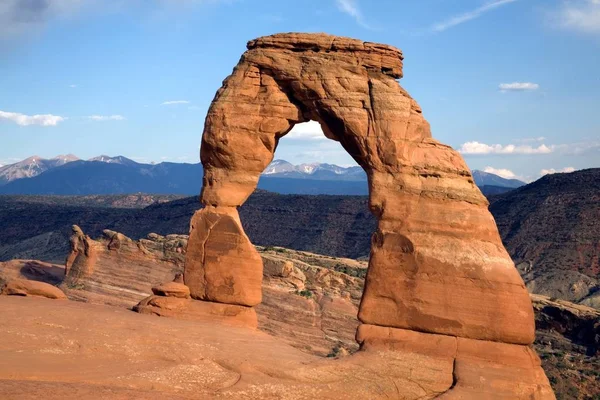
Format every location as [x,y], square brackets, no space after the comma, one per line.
[86,351]
[310,302]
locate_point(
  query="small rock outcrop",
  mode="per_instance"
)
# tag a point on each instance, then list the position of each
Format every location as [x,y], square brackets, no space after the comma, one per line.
[437,266]
[24,287]
[173,289]
[82,256]
[172,299]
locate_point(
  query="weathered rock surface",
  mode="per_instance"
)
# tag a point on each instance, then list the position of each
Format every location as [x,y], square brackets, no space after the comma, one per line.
[437,262]
[221,264]
[479,368]
[82,257]
[321,318]
[23,287]
[124,271]
[568,342]
[172,289]
[193,310]
[141,356]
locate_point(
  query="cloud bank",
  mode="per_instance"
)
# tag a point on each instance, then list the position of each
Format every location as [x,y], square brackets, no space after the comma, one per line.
[501,172]
[477,148]
[25,120]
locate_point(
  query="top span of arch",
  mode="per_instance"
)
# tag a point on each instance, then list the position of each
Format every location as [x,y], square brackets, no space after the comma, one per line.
[387,59]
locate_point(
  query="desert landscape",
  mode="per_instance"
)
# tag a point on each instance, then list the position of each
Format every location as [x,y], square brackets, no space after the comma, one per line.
[329,243]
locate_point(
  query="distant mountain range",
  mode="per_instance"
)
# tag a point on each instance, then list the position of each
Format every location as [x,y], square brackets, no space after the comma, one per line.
[32,166]
[68,175]
[317,171]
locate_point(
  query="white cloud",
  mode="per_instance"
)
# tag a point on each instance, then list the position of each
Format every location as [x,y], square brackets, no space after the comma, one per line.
[579,15]
[310,130]
[351,8]
[477,148]
[501,172]
[469,15]
[73,86]
[554,171]
[174,102]
[106,117]
[25,120]
[518,86]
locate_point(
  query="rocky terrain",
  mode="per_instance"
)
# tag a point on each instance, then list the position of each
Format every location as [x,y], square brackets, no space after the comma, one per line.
[544,225]
[134,201]
[334,225]
[552,230]
[310,303]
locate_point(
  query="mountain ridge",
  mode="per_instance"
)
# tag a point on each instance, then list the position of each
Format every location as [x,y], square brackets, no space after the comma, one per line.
[69,175]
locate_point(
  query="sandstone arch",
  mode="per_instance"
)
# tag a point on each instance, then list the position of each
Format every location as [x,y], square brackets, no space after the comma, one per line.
[437,262]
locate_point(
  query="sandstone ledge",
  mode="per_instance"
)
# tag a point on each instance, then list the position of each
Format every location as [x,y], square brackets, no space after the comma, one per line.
[24,287]
[479,368]
[194,310]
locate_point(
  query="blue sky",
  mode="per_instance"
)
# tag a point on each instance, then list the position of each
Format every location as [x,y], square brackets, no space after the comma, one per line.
[512,84]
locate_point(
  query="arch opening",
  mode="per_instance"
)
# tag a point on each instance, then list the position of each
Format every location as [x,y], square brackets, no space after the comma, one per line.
[306,144]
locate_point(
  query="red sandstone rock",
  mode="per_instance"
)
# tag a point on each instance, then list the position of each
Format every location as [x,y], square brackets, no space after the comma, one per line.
[438,264]
[194,310]
[481,369]
[221,264]
[23,287]
[123,271]
[82,257]
[172,289]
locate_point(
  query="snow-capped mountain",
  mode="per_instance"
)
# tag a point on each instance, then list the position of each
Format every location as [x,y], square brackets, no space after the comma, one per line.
[32,166]
[317,171]
[113,160]
[278,167]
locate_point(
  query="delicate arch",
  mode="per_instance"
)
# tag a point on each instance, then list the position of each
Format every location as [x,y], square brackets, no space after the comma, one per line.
[437,262]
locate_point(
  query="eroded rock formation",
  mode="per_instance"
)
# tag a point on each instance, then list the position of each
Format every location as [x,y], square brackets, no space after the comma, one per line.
[437,263]
[82,256]
[120,271]
[24,287]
